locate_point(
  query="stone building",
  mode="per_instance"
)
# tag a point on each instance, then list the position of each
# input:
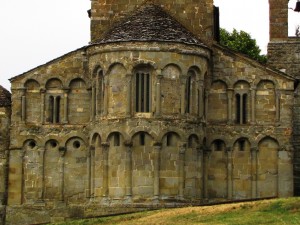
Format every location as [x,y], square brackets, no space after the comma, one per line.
[152,113]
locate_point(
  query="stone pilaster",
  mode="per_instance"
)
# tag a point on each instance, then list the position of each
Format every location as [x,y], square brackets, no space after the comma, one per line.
[158,95]
[253,109]
[42,91]
[200,99]
[61,162]
[229,174]
[105,148]
[128,170]
[182,150]
[41,175]
[65,118]
[182,94]
[129,98]
[156,163]
[230,100]
[254,172]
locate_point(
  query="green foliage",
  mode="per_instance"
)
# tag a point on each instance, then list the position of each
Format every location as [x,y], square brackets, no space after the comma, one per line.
[242,42]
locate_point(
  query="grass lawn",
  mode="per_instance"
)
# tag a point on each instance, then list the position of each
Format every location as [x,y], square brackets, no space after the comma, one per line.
[277,211]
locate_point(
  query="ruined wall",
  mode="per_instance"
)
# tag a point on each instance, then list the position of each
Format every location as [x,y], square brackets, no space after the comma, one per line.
[195,15]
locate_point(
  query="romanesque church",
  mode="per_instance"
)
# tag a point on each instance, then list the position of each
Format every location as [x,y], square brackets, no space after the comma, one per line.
[153,112]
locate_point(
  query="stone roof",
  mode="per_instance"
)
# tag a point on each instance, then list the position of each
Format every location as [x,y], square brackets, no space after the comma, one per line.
[5,97]
[149,23]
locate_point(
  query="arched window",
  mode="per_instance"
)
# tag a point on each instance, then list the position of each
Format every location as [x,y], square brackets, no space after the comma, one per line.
[191,91]
[241,89]
[54,109]
[241,108]
[142,90]
[54,95]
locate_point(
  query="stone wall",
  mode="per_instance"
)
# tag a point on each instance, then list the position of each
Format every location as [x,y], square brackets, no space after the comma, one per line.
[195,15]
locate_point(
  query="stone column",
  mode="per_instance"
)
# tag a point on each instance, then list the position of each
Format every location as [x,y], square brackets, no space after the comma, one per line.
[89,172]
[229,173]
[66,91]
[41,175]
[285,172]
[253,109]
[23,108]
[129,98]
[229,110]
[92,169]
[206,103]
[128,171]
[105,148]
[200,100]
[278,95]
[105,100]
[156,165]
[254,172]
[43,91]
[206,155]
[200,185]
[182,150]
[61,162]
[182,95]
[158,96]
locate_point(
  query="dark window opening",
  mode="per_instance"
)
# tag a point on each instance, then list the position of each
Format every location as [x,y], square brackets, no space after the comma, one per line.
[242,145]
[238,108]
[51,108]
[76,144]
[169,140]
[244,109]
[116,139]
[219,145]
[142,103]
[188,94]
[142,139]
[53,144]
[241,108]
[57,110]
[32,144]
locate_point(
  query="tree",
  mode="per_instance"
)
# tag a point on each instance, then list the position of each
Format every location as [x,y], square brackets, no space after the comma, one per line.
[242,42]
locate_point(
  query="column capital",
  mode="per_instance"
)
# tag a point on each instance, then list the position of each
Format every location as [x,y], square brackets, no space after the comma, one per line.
[105,145]
[159,76]
[128,143]
[254,149]
[66,90]
[182,148]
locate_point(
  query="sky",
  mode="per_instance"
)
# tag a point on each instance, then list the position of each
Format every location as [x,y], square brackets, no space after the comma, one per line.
[34,32]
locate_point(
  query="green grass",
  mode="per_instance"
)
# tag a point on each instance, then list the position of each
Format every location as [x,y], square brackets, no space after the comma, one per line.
[279,211]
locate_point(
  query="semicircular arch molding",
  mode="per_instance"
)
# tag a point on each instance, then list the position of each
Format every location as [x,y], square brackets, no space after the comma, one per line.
[266,78]
[182,136]
[136,130]
[74,135]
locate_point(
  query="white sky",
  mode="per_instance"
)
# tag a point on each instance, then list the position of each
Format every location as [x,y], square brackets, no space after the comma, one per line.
[34,32]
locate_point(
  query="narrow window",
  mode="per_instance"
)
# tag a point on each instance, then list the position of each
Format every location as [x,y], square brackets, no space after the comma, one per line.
[242,145]
[51,109]
[116,139]
[169,140]
[143,93]
[238,108]
[188,94]
[57,110]
[241,108]
[142,139]
[219,145]
[244,109]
